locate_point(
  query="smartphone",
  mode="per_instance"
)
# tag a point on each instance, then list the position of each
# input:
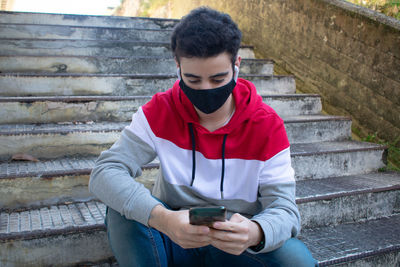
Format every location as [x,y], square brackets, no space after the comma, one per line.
[207,215]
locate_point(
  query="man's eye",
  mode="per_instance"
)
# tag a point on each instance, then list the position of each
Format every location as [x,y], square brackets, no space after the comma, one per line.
[194,81]
[218,81]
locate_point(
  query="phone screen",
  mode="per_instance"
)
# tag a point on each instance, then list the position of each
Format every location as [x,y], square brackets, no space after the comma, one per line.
[207,215]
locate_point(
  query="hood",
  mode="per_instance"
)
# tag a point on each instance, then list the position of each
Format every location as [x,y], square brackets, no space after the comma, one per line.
[247,101]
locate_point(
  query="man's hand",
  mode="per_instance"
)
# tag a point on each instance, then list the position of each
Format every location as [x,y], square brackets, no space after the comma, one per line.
[175,224]
[236,235]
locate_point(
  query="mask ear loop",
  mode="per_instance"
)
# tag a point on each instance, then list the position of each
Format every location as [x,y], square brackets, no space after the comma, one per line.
[178,73]
[236,74]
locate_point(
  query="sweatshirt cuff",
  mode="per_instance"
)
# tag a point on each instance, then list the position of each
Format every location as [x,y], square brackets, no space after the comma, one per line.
[268,237]
[143,206]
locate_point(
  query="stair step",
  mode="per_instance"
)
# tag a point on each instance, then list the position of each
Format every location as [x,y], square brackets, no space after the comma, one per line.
[120,108]
[61,235]
[111,65]
[340,158]
[85,20]
[369,243]
[353,198]
[57,140]
[42,31]
[69,230]
[57,84]
[103,48]
[335,199]
[65,179]
[45,183]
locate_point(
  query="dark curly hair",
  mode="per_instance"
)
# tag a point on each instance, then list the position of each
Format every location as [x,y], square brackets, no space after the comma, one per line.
[205,32]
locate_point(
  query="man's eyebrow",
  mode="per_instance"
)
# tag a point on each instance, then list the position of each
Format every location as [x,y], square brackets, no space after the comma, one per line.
[219,74]
[190,75]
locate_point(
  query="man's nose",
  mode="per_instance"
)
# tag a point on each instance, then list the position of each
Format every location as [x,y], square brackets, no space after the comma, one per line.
[205,85]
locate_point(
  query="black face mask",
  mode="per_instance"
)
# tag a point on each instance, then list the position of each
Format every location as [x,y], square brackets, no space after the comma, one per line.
[208,100]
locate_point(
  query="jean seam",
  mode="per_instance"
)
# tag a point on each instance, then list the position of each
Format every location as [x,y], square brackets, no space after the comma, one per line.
[154,246]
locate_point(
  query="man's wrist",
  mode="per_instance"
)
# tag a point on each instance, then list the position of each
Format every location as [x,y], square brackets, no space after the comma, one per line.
[157,216]
[259,242]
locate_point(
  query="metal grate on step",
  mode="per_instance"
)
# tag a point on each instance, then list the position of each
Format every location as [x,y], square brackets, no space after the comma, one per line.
[349,242]
[51,220]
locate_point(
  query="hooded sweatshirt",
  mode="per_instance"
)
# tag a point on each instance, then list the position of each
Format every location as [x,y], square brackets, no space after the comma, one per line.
[244,165]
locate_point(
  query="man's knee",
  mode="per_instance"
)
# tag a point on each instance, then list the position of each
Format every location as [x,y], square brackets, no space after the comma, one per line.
[293,253]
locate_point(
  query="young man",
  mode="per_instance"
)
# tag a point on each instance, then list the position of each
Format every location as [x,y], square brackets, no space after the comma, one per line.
[218,144]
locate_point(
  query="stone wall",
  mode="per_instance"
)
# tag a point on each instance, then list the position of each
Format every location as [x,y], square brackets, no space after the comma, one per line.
[348,54]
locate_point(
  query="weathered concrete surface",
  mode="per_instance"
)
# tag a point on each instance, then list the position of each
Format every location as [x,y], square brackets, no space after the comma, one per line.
[66,250]
[115,108]
[84,33]
[63,85]
[353,198]
[337,161]
[84,20]
[348,209]
[60,140]
[112,65]
[86,84]
[36,191]
[104,48]
[311,129]
[62,235]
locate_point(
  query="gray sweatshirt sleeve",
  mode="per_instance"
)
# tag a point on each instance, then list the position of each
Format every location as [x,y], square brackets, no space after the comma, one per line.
[112,178]
[280,217]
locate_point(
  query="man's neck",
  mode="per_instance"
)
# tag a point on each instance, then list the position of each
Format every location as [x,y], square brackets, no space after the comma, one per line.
[218,118]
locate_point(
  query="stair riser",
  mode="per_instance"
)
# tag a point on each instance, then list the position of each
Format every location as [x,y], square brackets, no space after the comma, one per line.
[108,85]
[53,145]
[337,164]
[52,112]
[39,192]
[15,64]
[381,260]
[318,131]
[348,209]
[58,250]
[83,20]
[72,33]
[28,47]
[47,146]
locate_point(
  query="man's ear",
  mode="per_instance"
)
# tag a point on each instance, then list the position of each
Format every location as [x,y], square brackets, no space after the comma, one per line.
[178,69]
[177,62]
[238,60]
[236,69]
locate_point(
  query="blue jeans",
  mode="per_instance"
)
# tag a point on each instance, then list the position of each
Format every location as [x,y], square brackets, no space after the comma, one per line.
[135,244]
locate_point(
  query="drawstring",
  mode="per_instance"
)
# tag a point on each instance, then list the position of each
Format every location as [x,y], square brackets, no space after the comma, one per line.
[193,153]
[223,167]
[194,159]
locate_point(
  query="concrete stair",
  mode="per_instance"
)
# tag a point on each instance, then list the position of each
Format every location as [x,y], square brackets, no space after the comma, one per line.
[70,83]
[78,84]
[56,47]
[109,65]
